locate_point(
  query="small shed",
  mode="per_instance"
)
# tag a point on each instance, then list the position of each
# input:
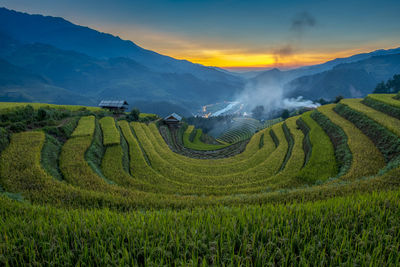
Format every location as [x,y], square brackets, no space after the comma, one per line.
[114,105]
[173,119]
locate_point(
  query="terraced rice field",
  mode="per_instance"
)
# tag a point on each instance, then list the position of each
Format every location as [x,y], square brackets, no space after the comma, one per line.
[242,129]
[386,98]
[196,143]
[321,188]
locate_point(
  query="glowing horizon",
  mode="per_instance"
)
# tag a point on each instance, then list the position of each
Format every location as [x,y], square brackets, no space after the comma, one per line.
[242,60]
[237,34]
[260,61]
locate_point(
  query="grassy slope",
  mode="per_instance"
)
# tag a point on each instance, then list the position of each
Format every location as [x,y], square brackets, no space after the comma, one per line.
[386,98]
[10,105]
[367,159]
[351,230]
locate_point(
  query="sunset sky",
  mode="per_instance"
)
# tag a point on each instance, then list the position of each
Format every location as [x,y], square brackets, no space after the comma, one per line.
[237,34]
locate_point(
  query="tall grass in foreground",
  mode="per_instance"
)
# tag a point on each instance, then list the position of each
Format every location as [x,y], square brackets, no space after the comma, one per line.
[361,230]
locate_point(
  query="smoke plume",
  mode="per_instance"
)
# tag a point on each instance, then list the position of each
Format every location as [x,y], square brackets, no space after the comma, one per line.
[298,26]
[268,91]
[271,95]
[282,52]
[301,21]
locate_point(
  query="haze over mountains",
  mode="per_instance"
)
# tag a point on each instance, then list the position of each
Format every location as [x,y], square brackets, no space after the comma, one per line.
[48,59]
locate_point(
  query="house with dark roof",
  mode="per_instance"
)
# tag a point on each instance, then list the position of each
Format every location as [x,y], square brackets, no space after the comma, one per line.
[172,119]
[114,105]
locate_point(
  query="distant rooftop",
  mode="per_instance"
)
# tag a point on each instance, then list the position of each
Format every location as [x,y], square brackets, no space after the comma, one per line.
[113,103]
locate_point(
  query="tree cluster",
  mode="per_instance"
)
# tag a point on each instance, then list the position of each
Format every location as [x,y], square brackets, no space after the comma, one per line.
[133,115]
[392,86]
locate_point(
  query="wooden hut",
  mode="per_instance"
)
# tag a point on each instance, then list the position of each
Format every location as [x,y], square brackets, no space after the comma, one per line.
[173,119]
[114,105]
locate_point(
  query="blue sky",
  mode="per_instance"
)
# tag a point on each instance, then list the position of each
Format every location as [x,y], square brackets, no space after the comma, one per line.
[232,33]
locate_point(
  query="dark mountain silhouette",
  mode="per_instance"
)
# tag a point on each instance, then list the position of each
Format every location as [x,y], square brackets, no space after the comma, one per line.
[114,77]
[65,35]
[355,79]
[283,77]
[99,65]
[48,59]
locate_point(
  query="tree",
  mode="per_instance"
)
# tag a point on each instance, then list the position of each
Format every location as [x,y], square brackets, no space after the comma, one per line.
[322,101]
[380,88]
[134,114]
[338,98]
[41,114]
[258,112]
[393,85]
[285,114]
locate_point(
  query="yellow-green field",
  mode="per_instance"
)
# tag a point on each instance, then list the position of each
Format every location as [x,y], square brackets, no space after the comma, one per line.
[318,189]
[4,106]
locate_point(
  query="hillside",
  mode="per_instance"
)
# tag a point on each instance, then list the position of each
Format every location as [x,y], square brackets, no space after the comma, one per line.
[289,75]
[116,77]
[321,186]
[355,79]
[21,85]
[98,65]
[65,35]
[84,66]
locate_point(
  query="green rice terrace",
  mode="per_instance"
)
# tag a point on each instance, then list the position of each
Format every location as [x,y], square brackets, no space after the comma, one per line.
[80,186]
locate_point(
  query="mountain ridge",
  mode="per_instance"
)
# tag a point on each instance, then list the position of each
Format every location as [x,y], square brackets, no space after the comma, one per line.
[66,35]
[92,65]
[354,79]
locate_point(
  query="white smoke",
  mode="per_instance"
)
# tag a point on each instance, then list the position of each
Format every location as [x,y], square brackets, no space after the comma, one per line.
[299,102]
[270,94]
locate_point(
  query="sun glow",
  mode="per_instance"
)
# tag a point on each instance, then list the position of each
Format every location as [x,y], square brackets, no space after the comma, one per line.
[228,60]
[219,53]
[243,59]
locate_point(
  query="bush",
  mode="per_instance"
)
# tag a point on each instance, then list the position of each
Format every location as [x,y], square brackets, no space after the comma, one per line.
[134,115]
[41,114]
[338,98]
[4,138]
[285,114]
[18,127]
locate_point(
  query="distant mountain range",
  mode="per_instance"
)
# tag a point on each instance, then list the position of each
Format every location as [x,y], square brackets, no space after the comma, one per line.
[48,59]
[355,79]
[98,65]
[354,76]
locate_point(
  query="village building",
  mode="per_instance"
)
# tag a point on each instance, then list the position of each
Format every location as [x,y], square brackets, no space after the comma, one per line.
[172,119]
[114,105]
